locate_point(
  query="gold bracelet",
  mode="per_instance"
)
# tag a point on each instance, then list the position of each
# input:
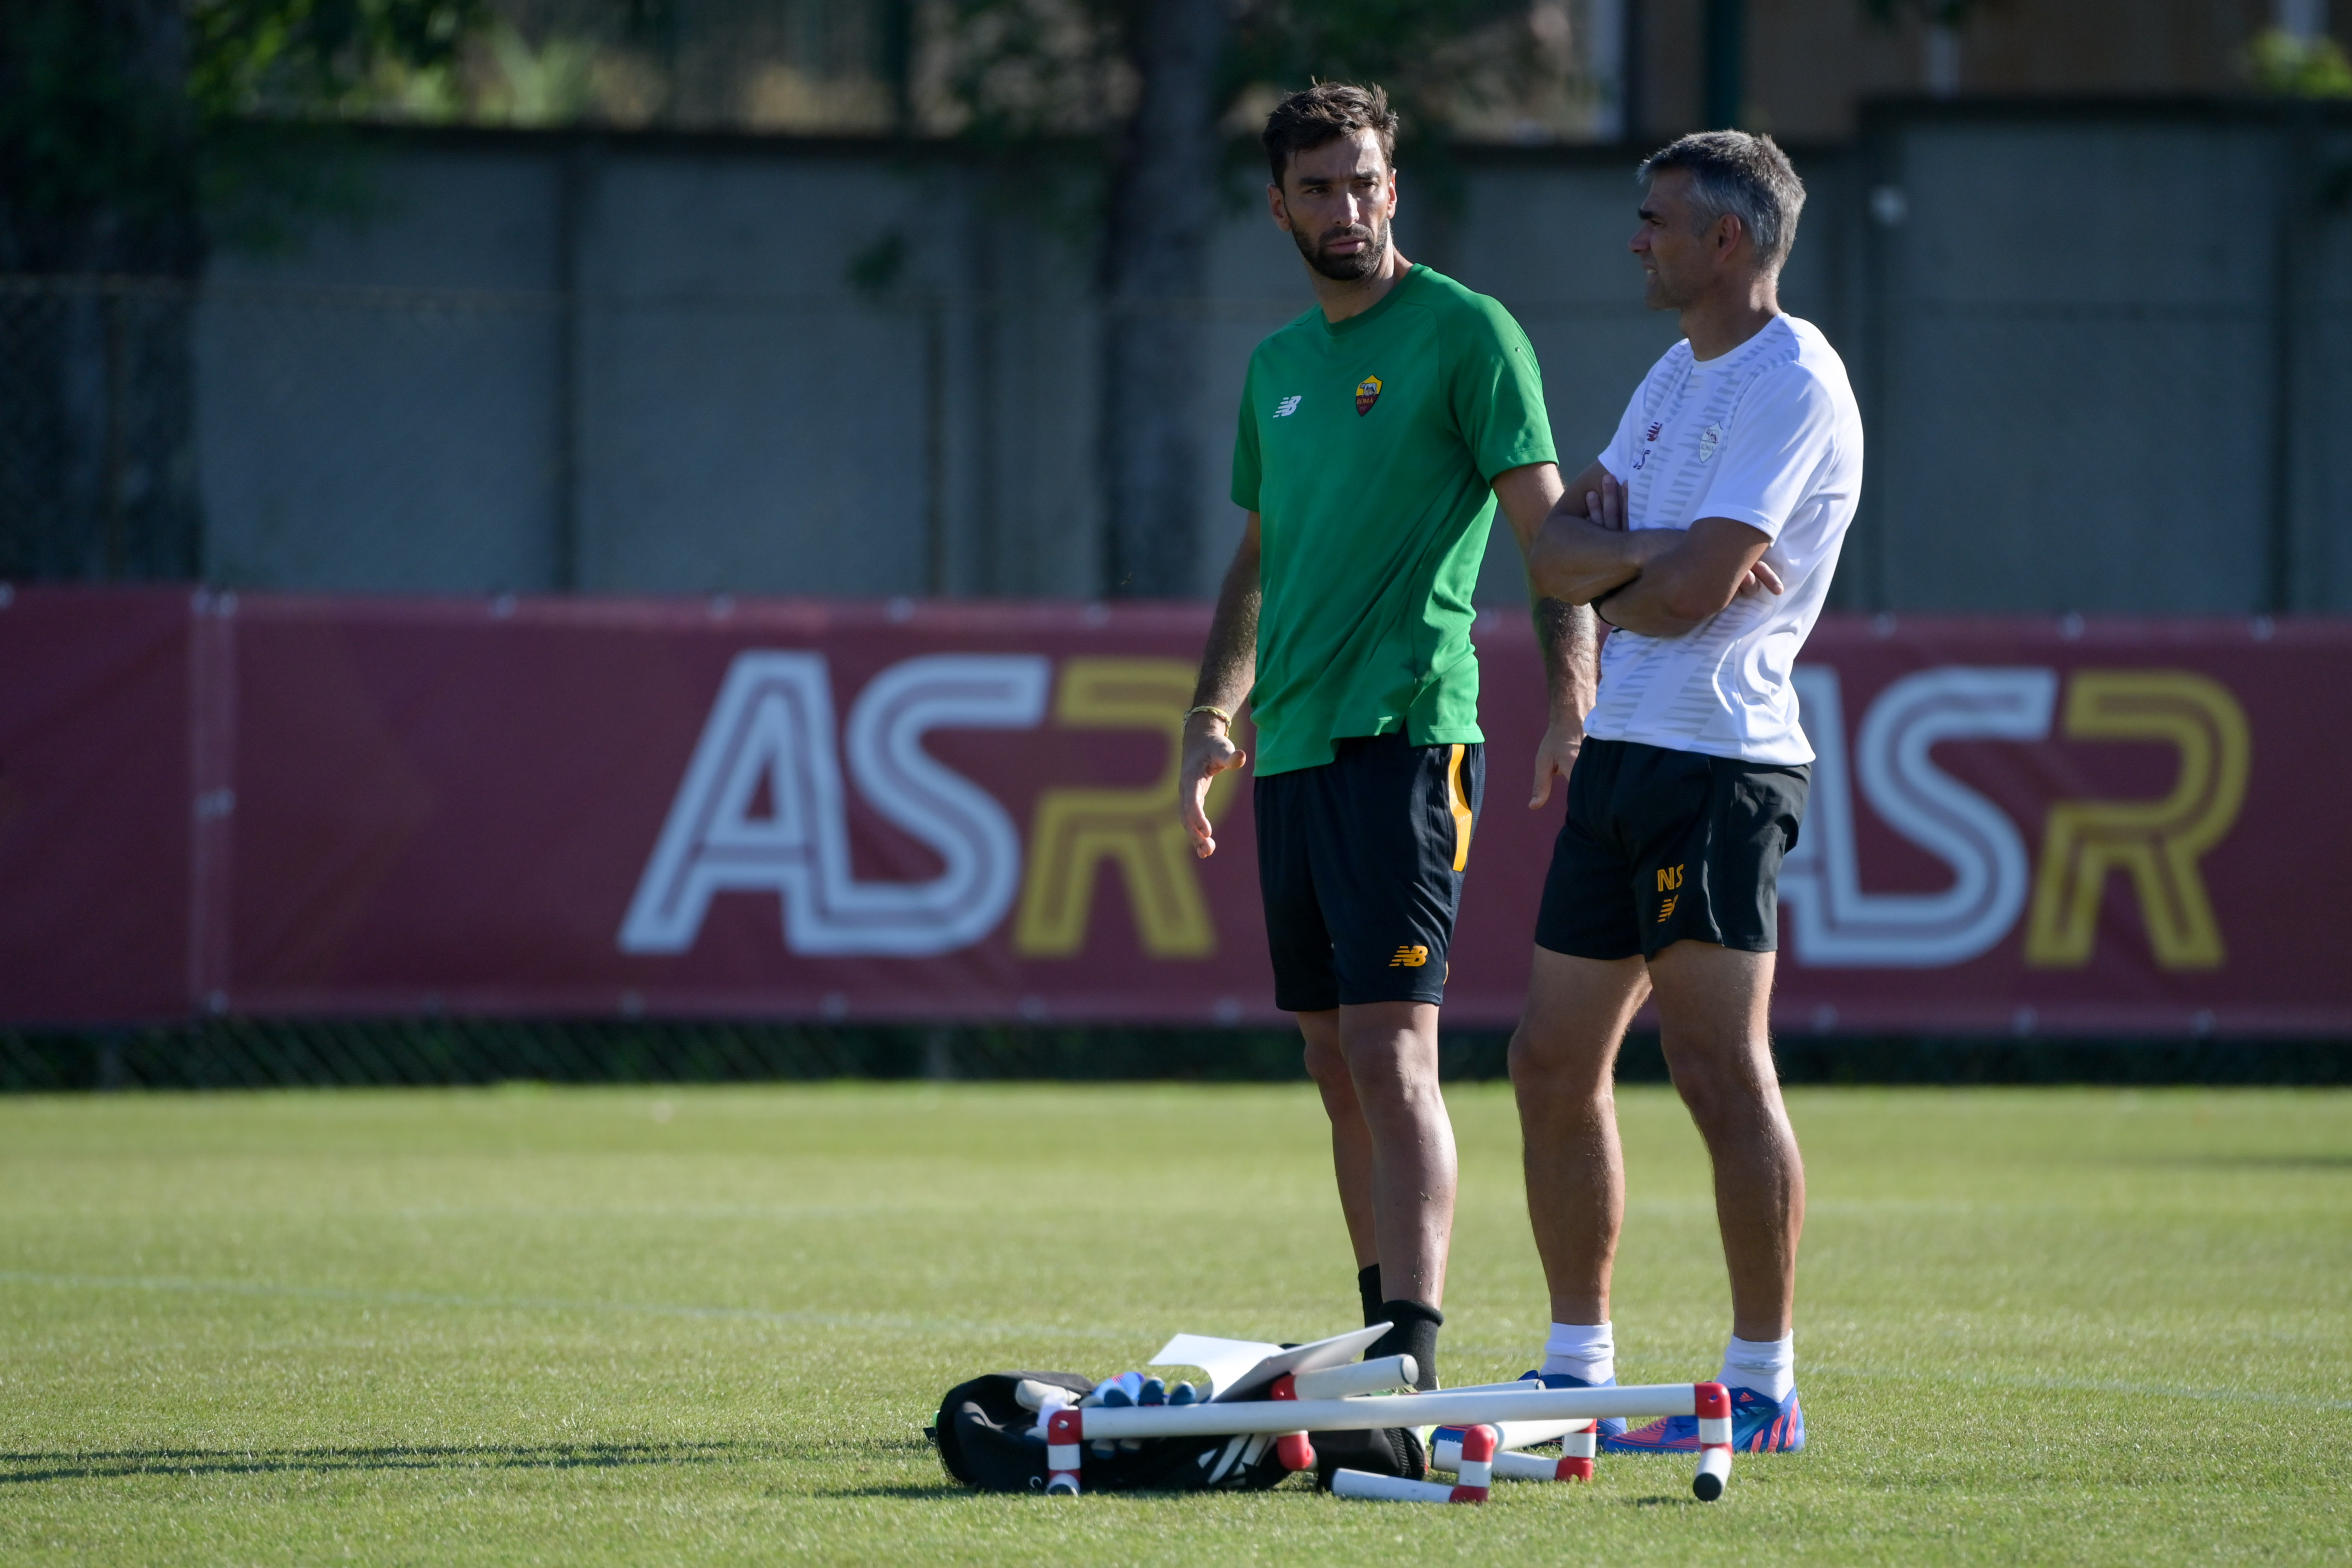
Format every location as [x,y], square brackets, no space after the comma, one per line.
[1214,711]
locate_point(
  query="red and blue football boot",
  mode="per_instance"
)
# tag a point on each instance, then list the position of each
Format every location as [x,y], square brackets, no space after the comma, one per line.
[1758,1426]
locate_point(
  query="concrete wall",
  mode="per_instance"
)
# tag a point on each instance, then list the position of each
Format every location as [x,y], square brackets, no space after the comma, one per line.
[380,411]
[642,364]
[2089,384]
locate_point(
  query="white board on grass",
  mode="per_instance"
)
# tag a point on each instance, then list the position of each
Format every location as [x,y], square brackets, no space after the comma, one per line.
[1239,1367]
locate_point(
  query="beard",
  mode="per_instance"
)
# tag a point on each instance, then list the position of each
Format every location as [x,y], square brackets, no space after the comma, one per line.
[1352,268]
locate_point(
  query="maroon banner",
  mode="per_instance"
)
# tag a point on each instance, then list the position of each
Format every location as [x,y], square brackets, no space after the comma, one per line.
[97,805]
[333,806]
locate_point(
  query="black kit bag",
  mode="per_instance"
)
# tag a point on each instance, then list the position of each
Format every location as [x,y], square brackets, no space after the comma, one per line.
[988,1440]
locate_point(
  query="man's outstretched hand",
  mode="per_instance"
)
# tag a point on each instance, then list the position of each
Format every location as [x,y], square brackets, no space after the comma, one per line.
[1208,751]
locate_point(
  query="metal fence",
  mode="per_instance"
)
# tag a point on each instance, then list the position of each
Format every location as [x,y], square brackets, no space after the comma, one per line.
[392,438]
[232,1053]
[244,1053]
[97,457]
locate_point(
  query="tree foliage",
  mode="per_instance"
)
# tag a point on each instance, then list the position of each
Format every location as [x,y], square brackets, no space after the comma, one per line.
[114,111]
[1025,67]
[86,120]
[1436,57]
[2291,67]
[301,57]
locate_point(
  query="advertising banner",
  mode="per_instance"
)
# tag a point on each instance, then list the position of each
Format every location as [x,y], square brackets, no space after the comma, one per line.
[904,810]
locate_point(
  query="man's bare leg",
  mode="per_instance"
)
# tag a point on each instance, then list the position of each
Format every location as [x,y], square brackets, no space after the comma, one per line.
[1563,1061]
[1714,1016]
[1403,1172]
[1713,1005]
[1351,1140]
[1391,1051]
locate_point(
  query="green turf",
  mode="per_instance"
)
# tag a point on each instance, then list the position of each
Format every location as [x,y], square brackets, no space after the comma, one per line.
[644,1325]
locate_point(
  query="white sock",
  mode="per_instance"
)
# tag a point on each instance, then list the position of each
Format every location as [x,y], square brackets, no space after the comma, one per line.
[1767,1365]
[1582,1350]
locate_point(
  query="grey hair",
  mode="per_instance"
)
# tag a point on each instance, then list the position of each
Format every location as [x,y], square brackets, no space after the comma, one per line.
[1747,176]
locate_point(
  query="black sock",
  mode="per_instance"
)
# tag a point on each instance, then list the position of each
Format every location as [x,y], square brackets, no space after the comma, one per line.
[1413,1332]
[1367,1287]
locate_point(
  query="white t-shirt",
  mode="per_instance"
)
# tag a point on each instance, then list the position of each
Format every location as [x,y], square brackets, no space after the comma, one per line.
[1769,435]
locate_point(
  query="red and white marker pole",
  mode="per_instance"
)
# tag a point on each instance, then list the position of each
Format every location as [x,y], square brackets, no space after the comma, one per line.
[1292,1448]
[1577,1450]
[1575,1463]
[1064,1435]
[1714,1411]
[1475,1473]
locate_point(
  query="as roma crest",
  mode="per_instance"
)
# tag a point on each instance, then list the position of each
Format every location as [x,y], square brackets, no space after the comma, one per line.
[1368,392]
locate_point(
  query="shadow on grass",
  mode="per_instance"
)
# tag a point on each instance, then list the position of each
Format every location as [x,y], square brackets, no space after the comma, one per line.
[17,1468]
[906,1491]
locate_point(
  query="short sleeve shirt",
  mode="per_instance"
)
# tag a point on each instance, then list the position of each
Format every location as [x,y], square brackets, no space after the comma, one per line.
[1369,448]
[1769,435]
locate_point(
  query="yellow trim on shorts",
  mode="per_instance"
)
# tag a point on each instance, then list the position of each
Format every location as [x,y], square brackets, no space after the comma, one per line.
[1460,807]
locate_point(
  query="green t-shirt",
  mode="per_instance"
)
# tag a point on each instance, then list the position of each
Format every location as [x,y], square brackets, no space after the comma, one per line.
[1368,448]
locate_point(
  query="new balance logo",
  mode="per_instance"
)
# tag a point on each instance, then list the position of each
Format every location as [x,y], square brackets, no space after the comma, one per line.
[1670,879]
[1287,406]
[1667,908]
[1409,958]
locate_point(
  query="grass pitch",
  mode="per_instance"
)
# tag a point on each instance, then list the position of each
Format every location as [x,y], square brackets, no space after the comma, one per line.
[654,1325]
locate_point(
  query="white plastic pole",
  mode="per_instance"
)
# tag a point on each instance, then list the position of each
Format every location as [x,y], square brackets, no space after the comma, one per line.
[1527,1434]
[1475,1465]
[1388,1488]
[1446,1408]
[1385,1376]
[1524,1434]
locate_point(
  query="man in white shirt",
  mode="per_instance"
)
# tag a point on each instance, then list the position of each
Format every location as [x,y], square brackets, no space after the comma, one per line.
[1707,535]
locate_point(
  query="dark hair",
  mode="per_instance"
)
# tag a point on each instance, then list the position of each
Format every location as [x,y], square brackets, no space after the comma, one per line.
[1747,176]
[1305,121]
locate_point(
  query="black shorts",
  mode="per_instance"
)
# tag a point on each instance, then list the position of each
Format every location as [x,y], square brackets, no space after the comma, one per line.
[1661,846]
[1360,863]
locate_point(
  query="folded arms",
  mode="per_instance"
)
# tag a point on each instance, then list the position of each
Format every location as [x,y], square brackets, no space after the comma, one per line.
[1660,582]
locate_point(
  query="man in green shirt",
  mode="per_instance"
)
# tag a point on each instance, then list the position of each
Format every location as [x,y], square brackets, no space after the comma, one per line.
[1377,433]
